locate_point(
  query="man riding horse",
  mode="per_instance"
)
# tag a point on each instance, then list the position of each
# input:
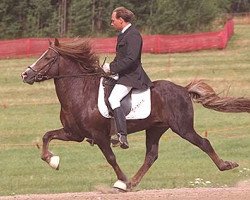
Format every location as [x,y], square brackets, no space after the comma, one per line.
[127,64]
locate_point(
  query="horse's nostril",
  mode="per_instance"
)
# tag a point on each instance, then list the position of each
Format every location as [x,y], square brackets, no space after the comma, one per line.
[23,75]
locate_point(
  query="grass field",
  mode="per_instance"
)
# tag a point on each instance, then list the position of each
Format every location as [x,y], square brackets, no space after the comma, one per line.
[27,112]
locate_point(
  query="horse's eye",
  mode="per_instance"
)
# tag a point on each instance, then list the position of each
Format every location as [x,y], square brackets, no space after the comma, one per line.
[46,57]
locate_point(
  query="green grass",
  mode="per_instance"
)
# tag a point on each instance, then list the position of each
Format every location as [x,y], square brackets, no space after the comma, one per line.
[27,112]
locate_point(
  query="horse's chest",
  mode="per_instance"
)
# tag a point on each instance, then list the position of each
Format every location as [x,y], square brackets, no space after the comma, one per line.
[77,121]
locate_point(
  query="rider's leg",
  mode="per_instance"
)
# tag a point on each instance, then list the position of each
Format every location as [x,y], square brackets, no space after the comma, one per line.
[117,94]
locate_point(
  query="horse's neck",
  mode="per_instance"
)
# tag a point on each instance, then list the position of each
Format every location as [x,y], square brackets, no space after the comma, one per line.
[75,90]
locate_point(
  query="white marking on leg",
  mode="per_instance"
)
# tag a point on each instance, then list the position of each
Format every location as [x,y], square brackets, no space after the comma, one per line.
[54,162]
[120,185]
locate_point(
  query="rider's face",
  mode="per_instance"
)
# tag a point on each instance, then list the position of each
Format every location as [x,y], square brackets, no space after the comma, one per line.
[117,23]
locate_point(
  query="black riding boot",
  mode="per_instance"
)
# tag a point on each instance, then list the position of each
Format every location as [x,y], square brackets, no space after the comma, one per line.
[121,126]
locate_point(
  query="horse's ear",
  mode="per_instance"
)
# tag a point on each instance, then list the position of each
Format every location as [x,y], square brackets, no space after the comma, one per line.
[50,43]
[56,43]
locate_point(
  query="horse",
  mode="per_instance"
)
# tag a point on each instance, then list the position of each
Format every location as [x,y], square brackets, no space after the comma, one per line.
[75,69]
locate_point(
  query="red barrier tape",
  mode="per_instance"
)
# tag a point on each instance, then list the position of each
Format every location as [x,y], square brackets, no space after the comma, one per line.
[152,43]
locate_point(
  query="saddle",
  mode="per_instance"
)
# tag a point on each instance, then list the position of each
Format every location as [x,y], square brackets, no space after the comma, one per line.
[136,104]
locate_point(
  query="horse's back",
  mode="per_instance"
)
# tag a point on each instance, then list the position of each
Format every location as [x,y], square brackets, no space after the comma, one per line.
[169,88]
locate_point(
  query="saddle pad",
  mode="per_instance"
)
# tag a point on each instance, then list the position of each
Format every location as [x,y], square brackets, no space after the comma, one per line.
[141,103]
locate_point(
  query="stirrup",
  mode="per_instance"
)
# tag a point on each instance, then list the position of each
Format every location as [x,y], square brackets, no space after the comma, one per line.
[119,140]
[123,141]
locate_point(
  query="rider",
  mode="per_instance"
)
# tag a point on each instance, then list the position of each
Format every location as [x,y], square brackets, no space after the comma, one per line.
[127,64]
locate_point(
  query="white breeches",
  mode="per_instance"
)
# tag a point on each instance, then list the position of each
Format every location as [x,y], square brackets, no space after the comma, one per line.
[117,94]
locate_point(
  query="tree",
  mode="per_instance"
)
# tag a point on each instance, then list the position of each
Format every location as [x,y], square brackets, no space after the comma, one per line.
[52,18]
[12,18]
[240,6]
[26,18]
[80,18]
[42,19]
[63,10]
[92,17]
[181,16]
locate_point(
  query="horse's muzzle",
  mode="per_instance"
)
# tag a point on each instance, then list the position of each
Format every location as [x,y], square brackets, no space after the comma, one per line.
[28,76]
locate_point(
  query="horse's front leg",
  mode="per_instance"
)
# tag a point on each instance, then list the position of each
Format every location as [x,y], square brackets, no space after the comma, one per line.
[104,145]
[59,134]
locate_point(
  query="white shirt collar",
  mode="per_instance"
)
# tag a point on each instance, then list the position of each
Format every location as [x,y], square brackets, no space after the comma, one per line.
[126,27]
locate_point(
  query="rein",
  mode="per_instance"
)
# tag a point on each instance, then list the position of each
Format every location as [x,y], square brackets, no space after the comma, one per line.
[102,73]
[77,75]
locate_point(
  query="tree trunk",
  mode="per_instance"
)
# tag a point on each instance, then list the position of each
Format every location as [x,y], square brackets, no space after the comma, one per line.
[63,12]
[93,16]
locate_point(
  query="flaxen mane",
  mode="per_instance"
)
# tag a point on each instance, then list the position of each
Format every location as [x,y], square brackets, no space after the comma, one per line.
[81,51]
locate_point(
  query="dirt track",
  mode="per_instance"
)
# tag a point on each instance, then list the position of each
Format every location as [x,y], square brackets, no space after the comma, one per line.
[242,192]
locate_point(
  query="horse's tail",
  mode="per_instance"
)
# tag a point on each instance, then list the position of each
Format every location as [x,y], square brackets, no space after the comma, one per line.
[202,93]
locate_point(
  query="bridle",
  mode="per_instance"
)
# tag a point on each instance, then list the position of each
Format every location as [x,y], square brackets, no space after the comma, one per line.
[42,76]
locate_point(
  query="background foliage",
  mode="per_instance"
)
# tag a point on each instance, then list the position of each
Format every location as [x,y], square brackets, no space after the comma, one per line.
[53,18]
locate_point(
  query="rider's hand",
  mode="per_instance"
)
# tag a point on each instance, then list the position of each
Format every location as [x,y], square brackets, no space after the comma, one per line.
[106,67]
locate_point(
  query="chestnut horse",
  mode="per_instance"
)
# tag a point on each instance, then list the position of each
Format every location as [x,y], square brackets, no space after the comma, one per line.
[76,73]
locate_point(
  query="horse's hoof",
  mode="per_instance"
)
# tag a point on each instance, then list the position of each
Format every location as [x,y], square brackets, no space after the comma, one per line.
[120,185]
[54,162]
[227,165]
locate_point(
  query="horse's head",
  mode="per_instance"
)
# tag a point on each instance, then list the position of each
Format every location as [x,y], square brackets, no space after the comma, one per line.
[46,67]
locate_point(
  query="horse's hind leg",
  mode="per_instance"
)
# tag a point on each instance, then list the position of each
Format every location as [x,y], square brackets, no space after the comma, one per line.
[59,134]
[104,145]
[186,131]
[153,136]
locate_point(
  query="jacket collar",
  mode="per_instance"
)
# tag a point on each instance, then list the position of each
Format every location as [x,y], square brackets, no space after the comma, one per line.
[126,27]
[121,35]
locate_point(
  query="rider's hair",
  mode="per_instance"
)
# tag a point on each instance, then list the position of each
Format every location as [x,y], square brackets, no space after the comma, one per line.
[124,13]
